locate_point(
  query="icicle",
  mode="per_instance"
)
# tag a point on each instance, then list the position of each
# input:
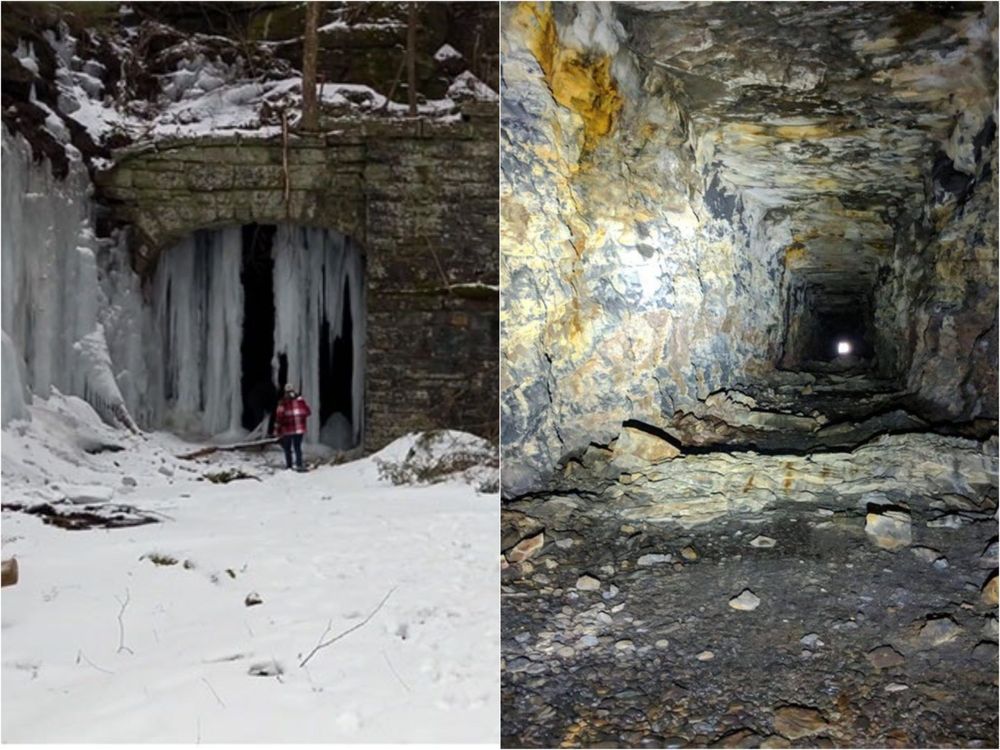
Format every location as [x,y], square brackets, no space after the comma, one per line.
[311,269]
[100,388]
[52,295]
[224,312]
[15,395]
[199,317]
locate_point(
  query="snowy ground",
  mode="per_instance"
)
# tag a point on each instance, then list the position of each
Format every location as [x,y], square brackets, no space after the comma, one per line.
[101,644]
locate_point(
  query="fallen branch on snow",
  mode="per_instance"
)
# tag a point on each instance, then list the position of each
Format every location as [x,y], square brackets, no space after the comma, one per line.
[209,686]
[121,624]
[210,449]
[82,656]
[401,682]
[323,644]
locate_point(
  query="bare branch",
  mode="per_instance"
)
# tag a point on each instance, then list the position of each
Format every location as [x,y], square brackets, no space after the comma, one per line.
[121,623]
[437,262]
[80,655]
[323,644]
[395,85]
[393,669]
[209,686]
[284,163]
[411,59]
[310,47]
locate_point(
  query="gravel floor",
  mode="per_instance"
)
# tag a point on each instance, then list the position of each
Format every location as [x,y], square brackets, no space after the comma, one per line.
[850,645]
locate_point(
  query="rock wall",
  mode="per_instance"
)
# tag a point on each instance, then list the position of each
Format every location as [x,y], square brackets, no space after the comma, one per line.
[945,292]
[627,281]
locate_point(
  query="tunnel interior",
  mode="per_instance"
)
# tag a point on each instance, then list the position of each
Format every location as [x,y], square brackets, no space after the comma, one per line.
[703,497]
[241,311]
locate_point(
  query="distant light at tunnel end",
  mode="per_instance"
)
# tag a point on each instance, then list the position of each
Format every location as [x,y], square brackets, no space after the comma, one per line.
[843,347]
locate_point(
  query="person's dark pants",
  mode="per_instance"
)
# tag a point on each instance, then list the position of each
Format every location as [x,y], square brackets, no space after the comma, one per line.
[289,443]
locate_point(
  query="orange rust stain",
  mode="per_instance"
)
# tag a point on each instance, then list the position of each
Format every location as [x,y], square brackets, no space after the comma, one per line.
[787,484]
[580,82]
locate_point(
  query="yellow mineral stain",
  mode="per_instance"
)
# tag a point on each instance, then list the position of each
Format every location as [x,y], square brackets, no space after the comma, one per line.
[580,82]
[749,485]
[795,254]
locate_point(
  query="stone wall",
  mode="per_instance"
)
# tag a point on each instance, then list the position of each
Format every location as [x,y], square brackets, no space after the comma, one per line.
[421,199]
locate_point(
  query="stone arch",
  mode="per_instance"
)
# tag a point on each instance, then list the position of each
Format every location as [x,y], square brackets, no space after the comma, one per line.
[166,192]
[419,197]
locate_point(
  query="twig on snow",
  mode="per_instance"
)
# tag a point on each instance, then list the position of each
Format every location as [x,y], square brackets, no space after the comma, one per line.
[121,623]
[209,686]
[393,669]
[323,644]
[80,655]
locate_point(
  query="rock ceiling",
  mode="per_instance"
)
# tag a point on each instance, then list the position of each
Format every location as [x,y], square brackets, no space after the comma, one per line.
[829,112]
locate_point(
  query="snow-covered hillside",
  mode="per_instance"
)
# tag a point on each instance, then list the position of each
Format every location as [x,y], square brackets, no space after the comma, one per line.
[143,633]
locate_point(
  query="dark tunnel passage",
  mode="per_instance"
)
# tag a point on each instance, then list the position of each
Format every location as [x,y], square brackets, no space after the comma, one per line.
[336,365]
[260,393]
[830,325]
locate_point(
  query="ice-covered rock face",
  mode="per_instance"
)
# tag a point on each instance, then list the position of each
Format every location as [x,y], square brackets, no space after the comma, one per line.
[696,196]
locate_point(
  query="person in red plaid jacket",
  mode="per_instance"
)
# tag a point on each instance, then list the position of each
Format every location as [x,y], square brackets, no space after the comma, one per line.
[290,424]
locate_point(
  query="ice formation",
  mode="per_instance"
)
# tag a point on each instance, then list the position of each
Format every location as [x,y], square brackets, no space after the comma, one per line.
[53,303]
[314,269]
[199,302]
[74,318]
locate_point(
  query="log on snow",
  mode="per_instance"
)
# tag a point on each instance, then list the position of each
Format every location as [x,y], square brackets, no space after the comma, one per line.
[9,572]
[209,450]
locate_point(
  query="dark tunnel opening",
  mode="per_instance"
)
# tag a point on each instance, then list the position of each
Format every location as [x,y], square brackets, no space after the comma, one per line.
[832,329]
[336,366]
[828,326]
[257,341]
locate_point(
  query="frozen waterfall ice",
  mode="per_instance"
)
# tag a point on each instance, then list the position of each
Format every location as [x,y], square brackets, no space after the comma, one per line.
[313,271]
[54,304]
[199,303]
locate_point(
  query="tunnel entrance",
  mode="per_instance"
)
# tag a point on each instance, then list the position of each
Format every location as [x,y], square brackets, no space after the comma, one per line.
[257,348]
[241,311]
[828,328]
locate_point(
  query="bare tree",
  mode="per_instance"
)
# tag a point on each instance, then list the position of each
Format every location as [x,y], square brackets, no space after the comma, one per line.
[310,50]
[411,58]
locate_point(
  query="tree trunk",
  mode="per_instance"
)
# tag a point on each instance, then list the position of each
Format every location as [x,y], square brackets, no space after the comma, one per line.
[310,50]
[411,59]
